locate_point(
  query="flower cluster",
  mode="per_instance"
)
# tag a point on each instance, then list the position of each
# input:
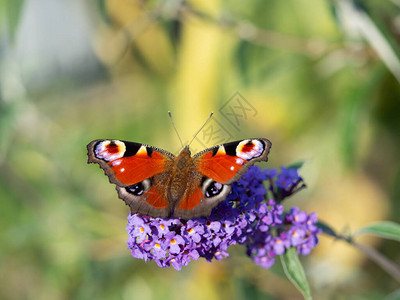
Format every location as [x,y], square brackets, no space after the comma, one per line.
[245,218]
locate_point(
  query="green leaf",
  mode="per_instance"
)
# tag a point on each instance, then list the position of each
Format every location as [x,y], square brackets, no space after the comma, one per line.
[295,272]
[373,31]
[10,11]
[103,11]
[296,165]
[326,229]
[388,230]
[242,56]
[393,296]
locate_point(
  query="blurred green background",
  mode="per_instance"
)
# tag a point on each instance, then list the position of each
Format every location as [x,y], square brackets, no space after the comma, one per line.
[322,78]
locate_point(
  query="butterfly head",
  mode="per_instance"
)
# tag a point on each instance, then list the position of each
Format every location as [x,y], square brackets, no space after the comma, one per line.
[185,152]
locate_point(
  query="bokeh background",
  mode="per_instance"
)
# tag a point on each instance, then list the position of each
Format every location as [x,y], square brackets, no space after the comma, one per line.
[322,78]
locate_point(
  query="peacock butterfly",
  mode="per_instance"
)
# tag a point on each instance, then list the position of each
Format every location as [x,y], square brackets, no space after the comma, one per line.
[156,183]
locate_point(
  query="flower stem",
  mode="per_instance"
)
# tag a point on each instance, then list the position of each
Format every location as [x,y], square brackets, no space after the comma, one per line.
[381,260]
[386,264]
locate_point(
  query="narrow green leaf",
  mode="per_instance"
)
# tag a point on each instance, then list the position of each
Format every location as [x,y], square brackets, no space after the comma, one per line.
[393,296]
[296,165]
[242,59]
[103,10]
[10,11]
[369,27]
[326,229]
[388,230]
[295,272]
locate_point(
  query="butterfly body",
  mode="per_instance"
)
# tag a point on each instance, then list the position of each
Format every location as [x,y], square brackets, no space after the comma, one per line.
[156,183]
[183,171]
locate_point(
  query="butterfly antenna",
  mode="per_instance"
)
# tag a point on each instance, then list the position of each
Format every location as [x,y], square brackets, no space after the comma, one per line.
[201,128]
[173,124]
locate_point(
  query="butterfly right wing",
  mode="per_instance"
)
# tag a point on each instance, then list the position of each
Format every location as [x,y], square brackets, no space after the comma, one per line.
[140,173]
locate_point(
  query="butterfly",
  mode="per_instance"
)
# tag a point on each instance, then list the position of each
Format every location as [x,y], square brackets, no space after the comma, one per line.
[156,183]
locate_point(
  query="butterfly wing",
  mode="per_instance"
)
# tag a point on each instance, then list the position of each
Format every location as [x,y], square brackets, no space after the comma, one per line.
[139,171]
[215,169]
[148,197]
[198,201]
[227,162]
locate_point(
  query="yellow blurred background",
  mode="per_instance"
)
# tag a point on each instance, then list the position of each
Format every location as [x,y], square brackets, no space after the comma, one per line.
[320,79]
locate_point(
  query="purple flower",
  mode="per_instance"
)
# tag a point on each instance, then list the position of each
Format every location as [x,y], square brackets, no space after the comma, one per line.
[228,227]
[220,254]
[264,261]
[157,248]
[139,252]
[140,229]
[311,222]
[306,247]
[299,217]
[270,173]
[176,263]
[296,235]
[162,227]
[175,242]
[193,231]
[280,245]
[251,215]
[213,226]
[287,177]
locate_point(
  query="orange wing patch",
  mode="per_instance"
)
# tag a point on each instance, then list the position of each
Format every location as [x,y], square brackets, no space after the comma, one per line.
[133,169]
[192,200]
[220,167]
[154,198]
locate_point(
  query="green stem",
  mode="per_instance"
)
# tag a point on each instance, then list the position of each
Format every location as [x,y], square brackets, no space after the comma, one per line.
[381,260]
[386,264]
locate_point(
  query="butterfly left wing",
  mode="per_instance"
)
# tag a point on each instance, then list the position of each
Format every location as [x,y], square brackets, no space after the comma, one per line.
[148,197]
[215,169]
[139,171]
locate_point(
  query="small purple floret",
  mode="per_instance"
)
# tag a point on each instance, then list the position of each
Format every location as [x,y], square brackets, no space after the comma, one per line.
[287,177]
[251,215]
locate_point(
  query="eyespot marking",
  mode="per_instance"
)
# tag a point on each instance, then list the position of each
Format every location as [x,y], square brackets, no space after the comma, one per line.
[214,189]
[109,150]
[248,149]
[211,188]
[139,188]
